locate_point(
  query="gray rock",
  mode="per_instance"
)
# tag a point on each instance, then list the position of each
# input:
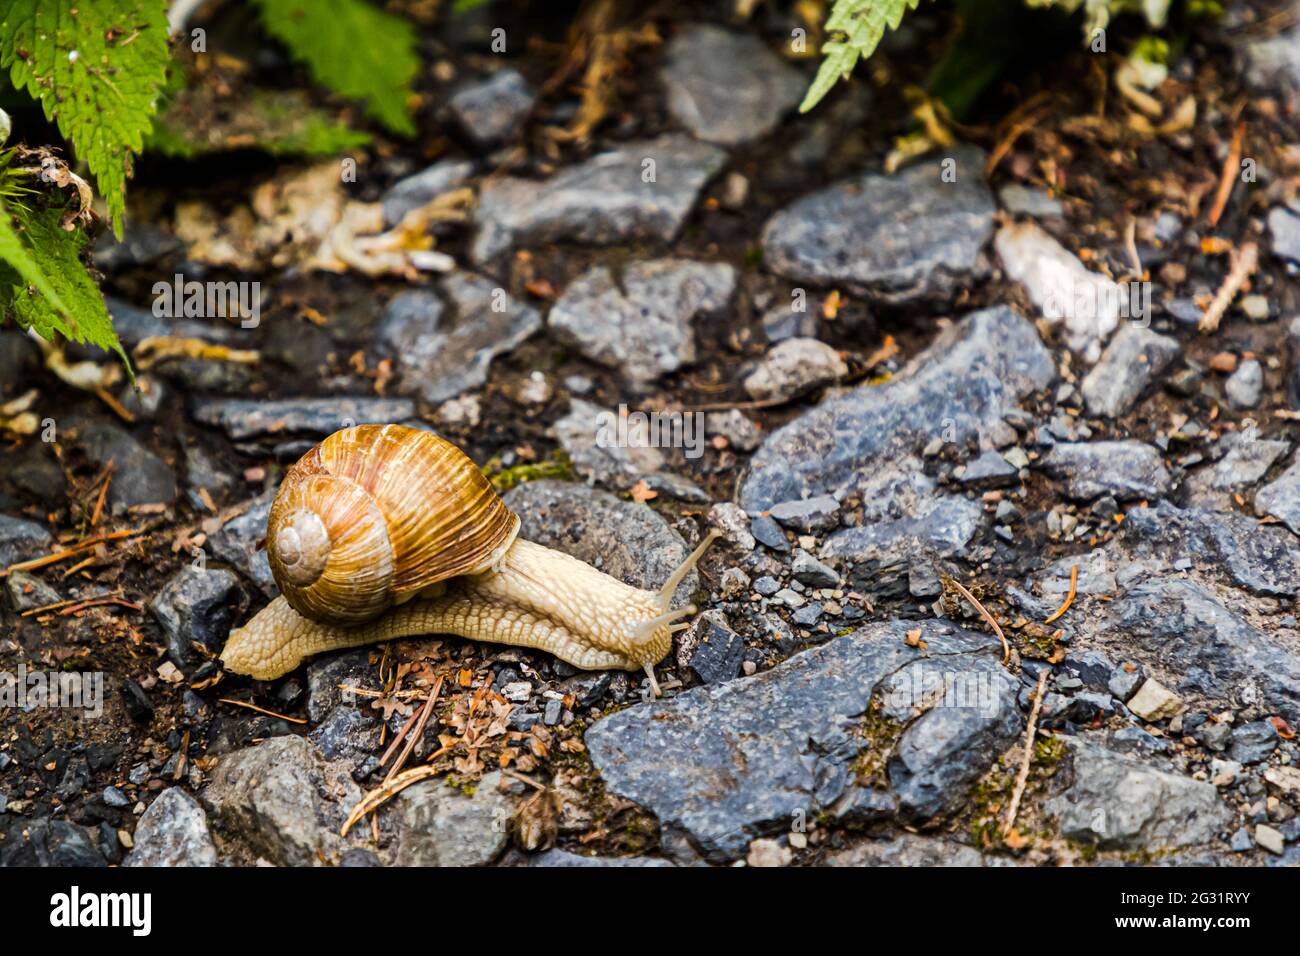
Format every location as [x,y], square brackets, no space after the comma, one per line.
[173,832]
[724,763]
[897,238]
[1213,651]
[139,476]
[237,544]
[441,826]
[640,321]
[741,432]
[283,800]
[1134,359]
[711,648]
[989,470]
[1246,462]
[590,437]
[1122,469]
[1117,802]
[493,111]
[808,570]
[1284,227]
[906,849]
[727,88]
[794,367]
[141,245]
[1261,559]
[197,607]
[1245,385]
[438,360]
[1253,743]
[20,538]
[1281,498]
[628,541]
[1026,201]
[767,532]
[1273,58]
[26,591]
[870,439]
[425,186]
[640,190]
[241,418]
[881,554]
[820,513]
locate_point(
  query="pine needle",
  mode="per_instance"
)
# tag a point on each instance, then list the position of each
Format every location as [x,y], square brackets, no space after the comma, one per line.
[1069,598]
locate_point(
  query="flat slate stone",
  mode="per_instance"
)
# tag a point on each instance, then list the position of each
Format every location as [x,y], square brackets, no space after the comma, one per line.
[871,438]
[1281,498]
[640,320]
[728,88]
[897,238]
[241,418]
[640,190]
[724,763]
[1123,469]
[1117,802]
[439,356]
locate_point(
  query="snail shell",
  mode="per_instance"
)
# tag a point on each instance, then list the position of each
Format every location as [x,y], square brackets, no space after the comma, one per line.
[374,515]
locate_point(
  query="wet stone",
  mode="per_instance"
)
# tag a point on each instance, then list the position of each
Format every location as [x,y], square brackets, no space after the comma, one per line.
[1123,469]
[821,513]
[173,832]
[237,544]
[437,357]
[768,532]
[711,648]
[1245,385]
[1134,359]
[283,800]
[493,110]
[897,238]
[722,764]
[20,538]
[640,190]
[1284,227]
[989,470]
[241,419]
[197,606]
[794,367]
[1281,498]
[26,591]
[640,321]
[727,88]
[441,826]
[870,439]
[1117,802]
[139,476]
[1253,743]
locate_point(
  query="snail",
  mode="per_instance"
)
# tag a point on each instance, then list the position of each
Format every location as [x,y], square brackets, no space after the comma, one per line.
[383,531]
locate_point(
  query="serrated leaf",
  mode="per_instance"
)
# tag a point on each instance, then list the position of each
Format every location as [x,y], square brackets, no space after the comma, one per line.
[354,49]
[96,66]
[855,28]
[45,284]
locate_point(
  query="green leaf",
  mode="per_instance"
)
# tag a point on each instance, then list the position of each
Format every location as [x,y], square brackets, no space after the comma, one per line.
[855,28]
[282,123]
[96,66]
[353,48]
[44,283]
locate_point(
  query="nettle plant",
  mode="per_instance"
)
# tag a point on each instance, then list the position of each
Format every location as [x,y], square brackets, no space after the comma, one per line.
[104,74]
[854,28]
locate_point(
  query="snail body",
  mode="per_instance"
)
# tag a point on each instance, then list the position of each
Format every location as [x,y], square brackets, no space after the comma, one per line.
[382,532]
